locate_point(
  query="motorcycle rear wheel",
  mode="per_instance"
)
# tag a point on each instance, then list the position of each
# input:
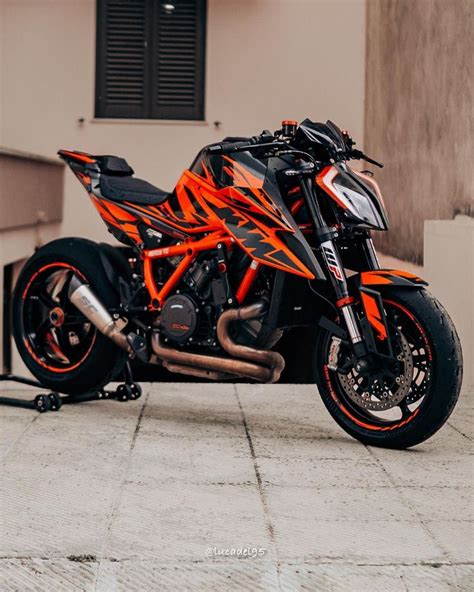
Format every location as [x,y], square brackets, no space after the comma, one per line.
[434,366]
[60,347]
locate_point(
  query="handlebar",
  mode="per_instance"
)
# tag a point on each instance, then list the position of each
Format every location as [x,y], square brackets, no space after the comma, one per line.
[266,138]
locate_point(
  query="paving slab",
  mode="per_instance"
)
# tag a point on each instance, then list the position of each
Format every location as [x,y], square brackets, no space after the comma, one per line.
[162,493]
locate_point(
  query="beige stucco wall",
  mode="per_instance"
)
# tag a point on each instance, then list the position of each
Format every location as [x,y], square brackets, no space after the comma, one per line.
[449,268]
[418,115]
[266,60]
[2,22]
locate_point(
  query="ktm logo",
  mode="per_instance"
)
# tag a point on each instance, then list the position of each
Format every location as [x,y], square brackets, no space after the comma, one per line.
[179,326]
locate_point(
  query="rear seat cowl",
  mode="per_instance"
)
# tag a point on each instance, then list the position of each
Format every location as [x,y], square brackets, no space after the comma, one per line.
[114,165]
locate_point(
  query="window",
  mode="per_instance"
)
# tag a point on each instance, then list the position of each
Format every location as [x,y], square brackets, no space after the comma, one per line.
[150,59]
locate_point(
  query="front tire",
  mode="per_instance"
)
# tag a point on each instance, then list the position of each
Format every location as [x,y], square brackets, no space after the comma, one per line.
[436,370]
[60,347]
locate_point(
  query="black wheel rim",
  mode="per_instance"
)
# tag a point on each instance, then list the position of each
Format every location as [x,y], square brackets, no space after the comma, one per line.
[57,336]
[402,320]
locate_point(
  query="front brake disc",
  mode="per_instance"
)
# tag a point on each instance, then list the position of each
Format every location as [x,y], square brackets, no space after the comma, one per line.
[381,390]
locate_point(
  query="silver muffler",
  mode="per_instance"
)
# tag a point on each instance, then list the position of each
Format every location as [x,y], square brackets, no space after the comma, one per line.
[83,298]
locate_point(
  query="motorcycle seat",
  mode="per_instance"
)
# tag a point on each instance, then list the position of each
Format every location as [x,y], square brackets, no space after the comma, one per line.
[116,180]
[132,189]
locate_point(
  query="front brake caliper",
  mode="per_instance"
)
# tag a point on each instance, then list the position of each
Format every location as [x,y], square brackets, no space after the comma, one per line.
[333,357]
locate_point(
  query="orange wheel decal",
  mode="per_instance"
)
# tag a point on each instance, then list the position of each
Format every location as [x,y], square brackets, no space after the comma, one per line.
[346,411]
[26,342]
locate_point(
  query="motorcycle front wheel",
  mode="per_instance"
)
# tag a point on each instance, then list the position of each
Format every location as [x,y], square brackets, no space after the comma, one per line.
[405,402]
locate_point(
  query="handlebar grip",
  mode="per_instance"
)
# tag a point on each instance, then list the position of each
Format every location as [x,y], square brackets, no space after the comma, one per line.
[228,147]
[214,148]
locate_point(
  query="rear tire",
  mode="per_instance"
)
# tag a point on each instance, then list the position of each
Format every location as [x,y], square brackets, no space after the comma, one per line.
[61,361]
[442,390]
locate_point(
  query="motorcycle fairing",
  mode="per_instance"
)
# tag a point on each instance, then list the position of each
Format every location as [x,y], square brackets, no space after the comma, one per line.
[321,136]
[237,201]
[223,193]
[250,216]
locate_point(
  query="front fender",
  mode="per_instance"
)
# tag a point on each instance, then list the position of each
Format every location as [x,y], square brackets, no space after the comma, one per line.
[369,286]
[389,277]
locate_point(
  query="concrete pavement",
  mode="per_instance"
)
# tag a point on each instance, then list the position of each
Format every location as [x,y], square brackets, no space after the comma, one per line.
[166,492]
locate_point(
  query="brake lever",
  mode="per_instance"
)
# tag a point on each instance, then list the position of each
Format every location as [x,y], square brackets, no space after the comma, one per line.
[359,155]
[372,161]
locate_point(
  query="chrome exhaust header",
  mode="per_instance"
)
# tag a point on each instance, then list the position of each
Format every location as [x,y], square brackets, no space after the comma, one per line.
[261,365]
[84,299]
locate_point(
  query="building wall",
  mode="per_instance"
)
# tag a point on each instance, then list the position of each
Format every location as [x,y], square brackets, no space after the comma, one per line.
[31,205]
[2,22]
[449,268]
[266,60]
[418,113]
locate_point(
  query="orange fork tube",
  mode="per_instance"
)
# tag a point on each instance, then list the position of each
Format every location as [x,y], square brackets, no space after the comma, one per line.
[247,281]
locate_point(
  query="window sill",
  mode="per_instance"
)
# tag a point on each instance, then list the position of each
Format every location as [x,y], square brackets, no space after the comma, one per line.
[186,122]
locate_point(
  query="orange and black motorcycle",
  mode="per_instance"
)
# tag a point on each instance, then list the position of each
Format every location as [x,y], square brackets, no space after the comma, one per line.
[260,235]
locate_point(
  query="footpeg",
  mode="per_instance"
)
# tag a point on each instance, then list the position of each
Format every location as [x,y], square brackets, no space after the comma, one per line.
[138,346]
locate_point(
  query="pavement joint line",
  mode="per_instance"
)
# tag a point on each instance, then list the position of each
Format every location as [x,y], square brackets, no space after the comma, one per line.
[375,487]
[118,497]
[288,562]
[260,486]
[405,503]
[459,431]
[18,438]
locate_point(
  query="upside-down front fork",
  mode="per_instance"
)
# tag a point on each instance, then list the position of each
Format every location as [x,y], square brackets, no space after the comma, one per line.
[325,237]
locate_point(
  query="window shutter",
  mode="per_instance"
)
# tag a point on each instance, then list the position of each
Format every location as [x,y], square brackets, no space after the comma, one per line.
[150,59]
[178,60]
[121,85]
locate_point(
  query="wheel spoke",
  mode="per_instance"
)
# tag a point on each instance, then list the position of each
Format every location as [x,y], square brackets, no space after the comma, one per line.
[56,284]
[43,328]
[403,405]
[46,299]
[64,295]
[54,346]
[75,320]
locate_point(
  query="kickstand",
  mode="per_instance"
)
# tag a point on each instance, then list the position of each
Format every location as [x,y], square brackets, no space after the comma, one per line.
[53,401]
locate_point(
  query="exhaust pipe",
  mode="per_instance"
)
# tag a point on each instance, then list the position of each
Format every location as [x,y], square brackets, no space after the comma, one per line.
[273,360]
[199,372]
[87,302]
[261,365]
